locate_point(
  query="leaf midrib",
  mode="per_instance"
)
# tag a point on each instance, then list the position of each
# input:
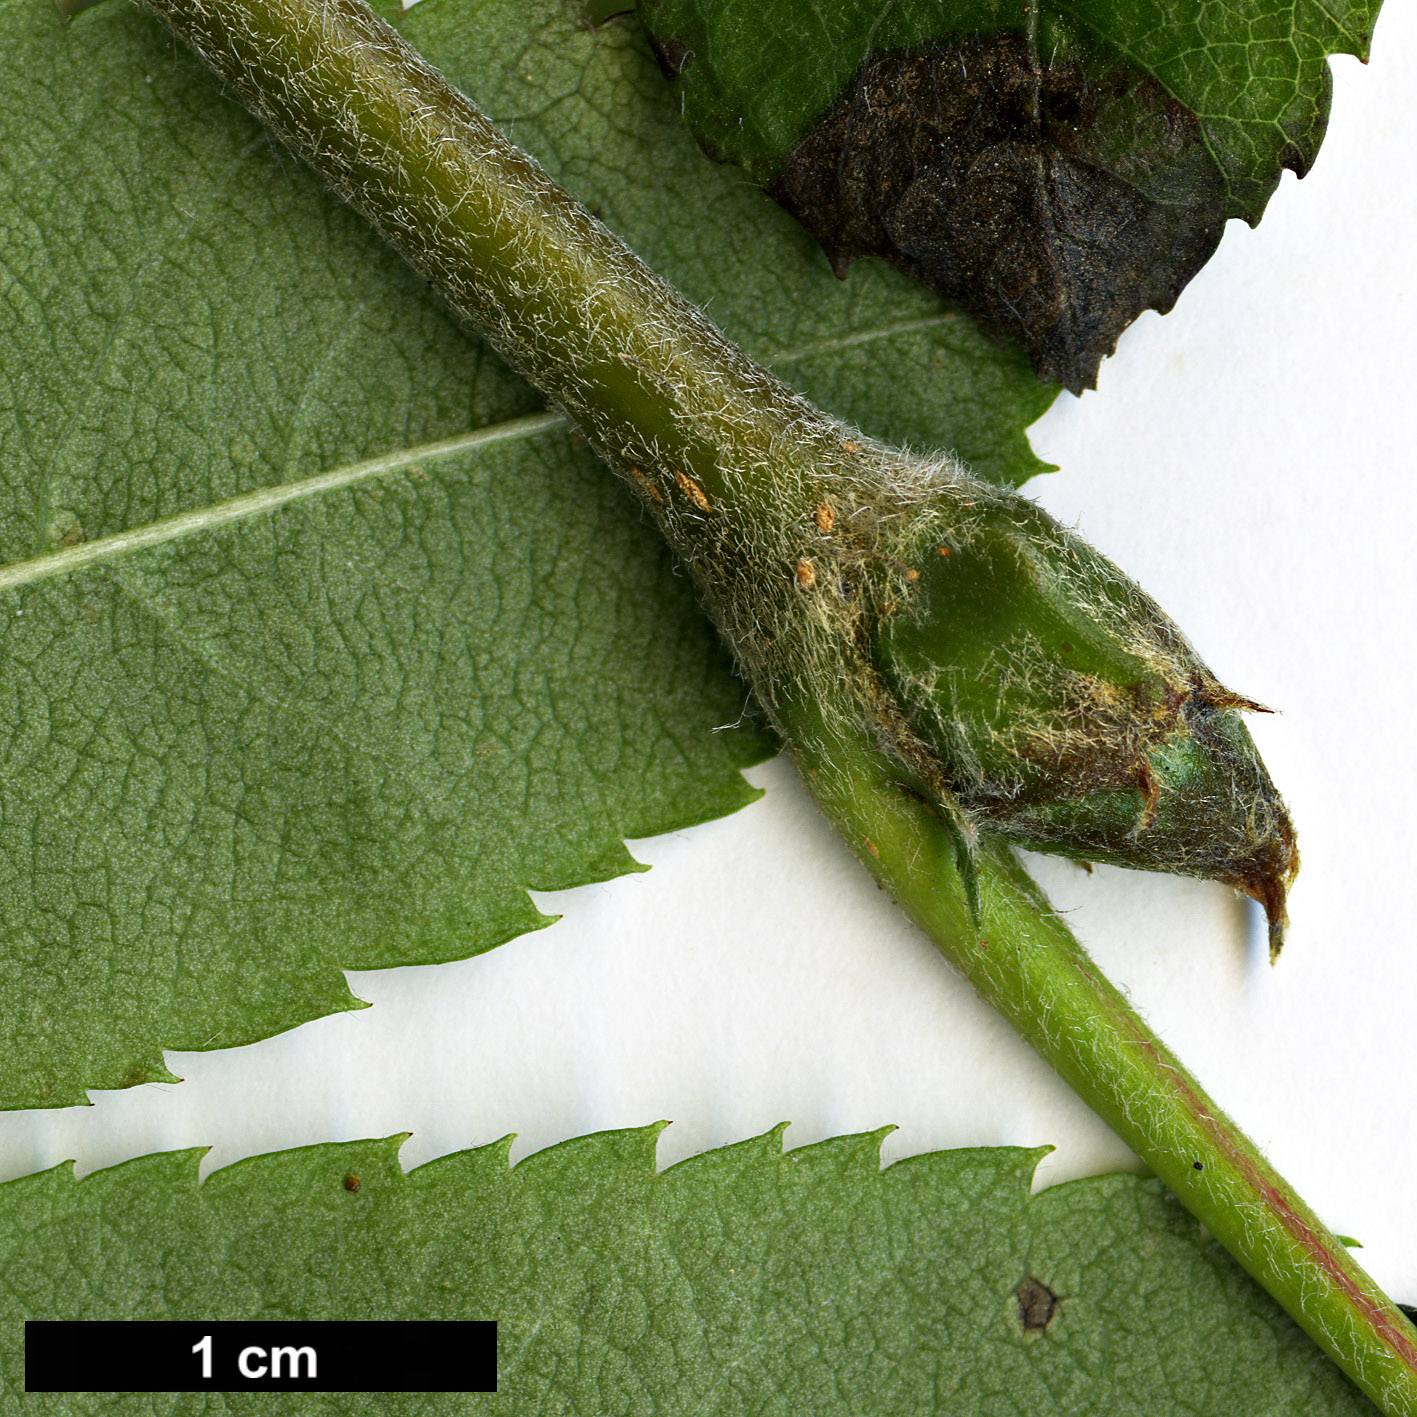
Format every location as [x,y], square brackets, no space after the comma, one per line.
[266,499]
[271,498]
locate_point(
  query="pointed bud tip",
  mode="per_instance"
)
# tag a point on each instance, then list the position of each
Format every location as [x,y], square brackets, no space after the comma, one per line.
[1267,876]
[1267,870]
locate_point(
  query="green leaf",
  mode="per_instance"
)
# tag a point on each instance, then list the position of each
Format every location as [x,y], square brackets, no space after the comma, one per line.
[1054,170]
[349,725]
[740,1281]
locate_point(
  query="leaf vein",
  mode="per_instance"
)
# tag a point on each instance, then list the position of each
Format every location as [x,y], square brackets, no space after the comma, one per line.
[263,500]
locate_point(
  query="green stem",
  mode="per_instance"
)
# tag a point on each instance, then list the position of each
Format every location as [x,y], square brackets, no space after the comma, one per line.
[728,459]
[1026,962]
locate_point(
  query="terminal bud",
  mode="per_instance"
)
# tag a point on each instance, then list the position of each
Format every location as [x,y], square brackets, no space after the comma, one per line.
[1046,698]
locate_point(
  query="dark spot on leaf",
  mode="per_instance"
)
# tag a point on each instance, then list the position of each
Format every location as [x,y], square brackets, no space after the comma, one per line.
[352,1182]
[1053,203]
[1295,159]
[670,54]
[1198,1165]
[599,12]
[1299,157]
[1037,1304]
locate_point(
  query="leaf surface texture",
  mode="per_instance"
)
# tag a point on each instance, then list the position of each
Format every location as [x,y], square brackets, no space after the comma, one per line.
[743,1281]
[350,730]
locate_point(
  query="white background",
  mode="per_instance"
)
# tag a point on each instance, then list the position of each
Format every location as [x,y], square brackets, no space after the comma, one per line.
[1250,458]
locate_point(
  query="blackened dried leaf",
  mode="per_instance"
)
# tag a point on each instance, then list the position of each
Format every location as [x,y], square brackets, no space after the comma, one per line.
[1052,202]
[1054,168]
